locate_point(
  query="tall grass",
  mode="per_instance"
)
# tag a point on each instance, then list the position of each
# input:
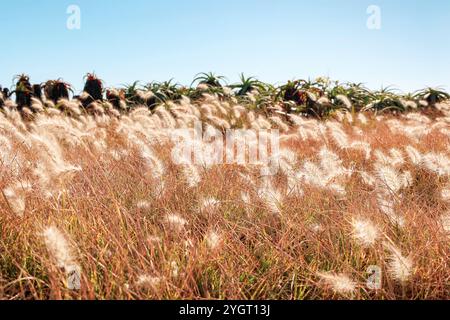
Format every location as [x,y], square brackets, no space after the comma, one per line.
[98,191]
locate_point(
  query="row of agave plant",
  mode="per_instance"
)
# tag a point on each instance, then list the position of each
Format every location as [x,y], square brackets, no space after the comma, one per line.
[319,98]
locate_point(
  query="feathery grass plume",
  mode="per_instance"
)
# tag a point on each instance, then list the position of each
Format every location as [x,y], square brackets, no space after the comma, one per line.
[52,112]
[246,199]
[219,122]
[26,111]
[323,101]
[202,87]
[95,108]
[312,174]
[381,158]
[222,110]
[213,239]
[37,105]
[175,270]
[333,169]
[423,103]
[16,199]
[145,96]
[338,135]
[139,111]
[148,282]
[387,206]
[395,159]
[296,120]
[154,165]
[49,104]
[417,117]
[238,111]
[445,222]
[283,161]
[391,181]
[311,96]
[414,155]
[280,124]
[191,175]
[362,118]
[315,227]
[400,267]
[53,171]
[438,163]
[71,107]
[167,119]
[409,104]
[445,193]
[367,178]
[364,231]
[273,199]
[344,100]
[143,205]
[228,91]
[113,113]
[339,283]
[210,203]
[207,110]
[251,117]
[175,221]
[58,247]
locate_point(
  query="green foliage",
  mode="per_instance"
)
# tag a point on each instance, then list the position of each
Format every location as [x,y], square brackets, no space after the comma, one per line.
[318,98]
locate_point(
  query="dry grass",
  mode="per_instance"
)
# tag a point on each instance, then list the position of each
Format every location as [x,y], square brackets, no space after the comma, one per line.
[100,193]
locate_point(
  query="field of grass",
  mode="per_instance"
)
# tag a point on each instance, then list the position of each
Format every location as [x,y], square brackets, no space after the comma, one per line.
[98,193]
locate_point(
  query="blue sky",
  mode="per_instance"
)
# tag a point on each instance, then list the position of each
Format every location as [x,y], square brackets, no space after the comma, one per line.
[146,40]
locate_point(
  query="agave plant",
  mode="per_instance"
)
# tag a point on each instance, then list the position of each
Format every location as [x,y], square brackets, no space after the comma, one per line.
[135,94]
[165,91]
[23,91]
[384,100]
[355,93]
[131,92]
[5,92]
[432,95]
[93,88]
[2,98]
[264,98]
[170,89]
[4,95]
[301,96]
[116,97]
[210,79]
[37,91]
[358,94]
[206,83]
[55,90]
[247,85]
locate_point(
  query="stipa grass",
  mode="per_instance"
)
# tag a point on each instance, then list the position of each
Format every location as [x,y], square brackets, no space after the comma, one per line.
[100,194]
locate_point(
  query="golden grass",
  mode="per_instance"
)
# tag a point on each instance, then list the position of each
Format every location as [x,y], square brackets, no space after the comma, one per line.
[102,193]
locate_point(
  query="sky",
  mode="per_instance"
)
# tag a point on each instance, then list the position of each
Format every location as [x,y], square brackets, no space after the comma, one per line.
[273,40]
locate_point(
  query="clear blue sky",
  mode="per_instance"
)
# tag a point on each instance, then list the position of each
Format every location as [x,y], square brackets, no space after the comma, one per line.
[146,40]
